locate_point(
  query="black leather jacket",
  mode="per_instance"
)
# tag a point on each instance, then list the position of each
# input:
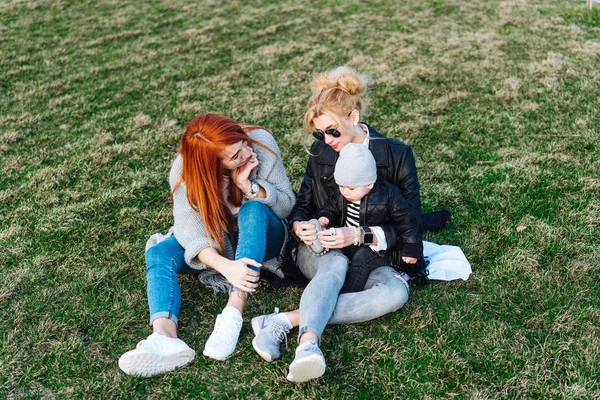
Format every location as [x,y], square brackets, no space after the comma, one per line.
[395,164]
[383,206]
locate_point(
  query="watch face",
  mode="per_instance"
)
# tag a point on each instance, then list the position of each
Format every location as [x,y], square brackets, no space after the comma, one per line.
[254,187]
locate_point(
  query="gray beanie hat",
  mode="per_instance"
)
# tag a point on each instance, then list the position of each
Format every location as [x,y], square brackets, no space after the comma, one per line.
[355,167]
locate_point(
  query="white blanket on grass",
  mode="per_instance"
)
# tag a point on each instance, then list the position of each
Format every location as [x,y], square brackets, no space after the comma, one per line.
[446,263]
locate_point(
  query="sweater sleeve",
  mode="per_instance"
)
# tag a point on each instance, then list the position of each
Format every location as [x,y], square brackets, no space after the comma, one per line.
[272,177]
[188,227]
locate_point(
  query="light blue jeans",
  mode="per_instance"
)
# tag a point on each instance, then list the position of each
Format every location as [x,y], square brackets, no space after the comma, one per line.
[260,238]
[321,304]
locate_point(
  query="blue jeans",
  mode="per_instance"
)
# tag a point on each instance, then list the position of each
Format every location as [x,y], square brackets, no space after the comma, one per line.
[260,238]
[321,304]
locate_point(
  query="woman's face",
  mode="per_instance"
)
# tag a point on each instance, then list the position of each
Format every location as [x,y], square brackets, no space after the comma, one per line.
[324,122]
[236,155]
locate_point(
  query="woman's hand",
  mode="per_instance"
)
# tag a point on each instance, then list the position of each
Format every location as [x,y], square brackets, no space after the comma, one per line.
[241,175]
[409,260]
[343,237]
[305,231]
[239,275]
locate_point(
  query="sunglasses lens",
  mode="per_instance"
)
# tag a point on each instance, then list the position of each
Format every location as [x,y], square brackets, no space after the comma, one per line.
[333,132]
[321,135]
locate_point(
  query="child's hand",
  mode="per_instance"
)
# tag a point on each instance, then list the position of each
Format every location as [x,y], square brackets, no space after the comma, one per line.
[409,260]
[324,221]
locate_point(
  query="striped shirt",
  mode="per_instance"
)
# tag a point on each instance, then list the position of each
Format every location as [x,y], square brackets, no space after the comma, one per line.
[352,213]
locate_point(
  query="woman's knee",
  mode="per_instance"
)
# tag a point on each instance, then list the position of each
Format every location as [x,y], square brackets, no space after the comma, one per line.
[167,253]
[334,261]
[398,297]
[390,286]
[310,264]
[253,208]
[334,266]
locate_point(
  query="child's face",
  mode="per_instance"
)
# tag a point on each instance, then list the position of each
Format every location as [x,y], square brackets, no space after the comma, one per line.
[355,193]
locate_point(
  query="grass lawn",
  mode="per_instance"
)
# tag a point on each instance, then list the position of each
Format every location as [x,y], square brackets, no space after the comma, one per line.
[500,101]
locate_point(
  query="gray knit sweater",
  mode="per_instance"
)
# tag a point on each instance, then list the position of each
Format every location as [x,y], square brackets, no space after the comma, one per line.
[189,228]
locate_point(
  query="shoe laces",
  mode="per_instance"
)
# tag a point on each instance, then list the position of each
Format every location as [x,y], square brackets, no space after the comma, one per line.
[226,329]
[279,333]
[311,346]
[150,341]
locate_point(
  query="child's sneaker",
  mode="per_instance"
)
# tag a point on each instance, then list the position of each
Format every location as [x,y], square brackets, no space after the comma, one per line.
[223,339]
[308,364]
[155,355]
[270,330]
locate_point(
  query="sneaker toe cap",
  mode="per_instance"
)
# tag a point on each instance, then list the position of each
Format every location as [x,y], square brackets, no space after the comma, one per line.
[266,348]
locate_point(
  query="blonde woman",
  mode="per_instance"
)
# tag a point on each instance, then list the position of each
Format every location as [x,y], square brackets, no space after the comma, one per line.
[334,116]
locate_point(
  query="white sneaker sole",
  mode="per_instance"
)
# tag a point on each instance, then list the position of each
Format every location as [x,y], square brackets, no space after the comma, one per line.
[147,364]
[306,368]
[265,355]
[215,356]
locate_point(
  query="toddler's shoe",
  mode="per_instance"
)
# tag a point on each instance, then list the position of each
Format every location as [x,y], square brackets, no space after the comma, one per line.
[316,246]
[155,355]
[271,330]
[308,364]
[223,339]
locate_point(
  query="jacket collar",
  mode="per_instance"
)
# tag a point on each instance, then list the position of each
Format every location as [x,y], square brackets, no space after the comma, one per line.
[378,146]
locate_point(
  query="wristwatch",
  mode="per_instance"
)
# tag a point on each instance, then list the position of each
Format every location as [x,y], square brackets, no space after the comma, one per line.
[368,238]
[254,189]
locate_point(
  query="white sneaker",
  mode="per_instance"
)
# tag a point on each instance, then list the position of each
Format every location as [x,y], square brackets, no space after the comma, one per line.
[223,339]
[271,330]
[308,364]
[155,355]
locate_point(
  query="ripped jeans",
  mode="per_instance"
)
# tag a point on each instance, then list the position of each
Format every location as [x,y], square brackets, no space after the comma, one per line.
[385,291]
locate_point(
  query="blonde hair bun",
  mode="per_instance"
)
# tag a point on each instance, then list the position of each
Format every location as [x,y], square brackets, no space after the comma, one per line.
[344,78]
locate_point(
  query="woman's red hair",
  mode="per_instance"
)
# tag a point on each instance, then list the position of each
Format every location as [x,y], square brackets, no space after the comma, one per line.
[202,145]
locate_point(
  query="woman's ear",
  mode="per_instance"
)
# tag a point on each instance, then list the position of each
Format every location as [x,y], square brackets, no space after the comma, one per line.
[370,186]
[355,117]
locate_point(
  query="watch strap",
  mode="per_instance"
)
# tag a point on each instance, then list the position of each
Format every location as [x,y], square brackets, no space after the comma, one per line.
[368,235]
[254,189]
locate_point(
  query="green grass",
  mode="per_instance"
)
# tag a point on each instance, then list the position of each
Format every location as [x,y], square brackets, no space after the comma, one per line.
[499,100]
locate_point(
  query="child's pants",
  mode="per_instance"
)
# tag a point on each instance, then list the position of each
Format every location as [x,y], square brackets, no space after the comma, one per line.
[363,261]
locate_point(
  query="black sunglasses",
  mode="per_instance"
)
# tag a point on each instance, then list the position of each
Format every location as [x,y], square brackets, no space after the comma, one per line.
[331,131]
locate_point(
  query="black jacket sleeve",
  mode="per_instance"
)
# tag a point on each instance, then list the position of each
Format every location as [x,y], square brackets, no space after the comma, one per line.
[407,226]
[332,210]
[406,179]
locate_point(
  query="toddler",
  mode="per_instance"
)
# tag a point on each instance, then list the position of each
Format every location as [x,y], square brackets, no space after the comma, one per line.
[372,207]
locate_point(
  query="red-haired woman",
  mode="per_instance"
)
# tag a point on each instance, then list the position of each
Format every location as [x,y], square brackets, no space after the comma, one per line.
[230,195]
